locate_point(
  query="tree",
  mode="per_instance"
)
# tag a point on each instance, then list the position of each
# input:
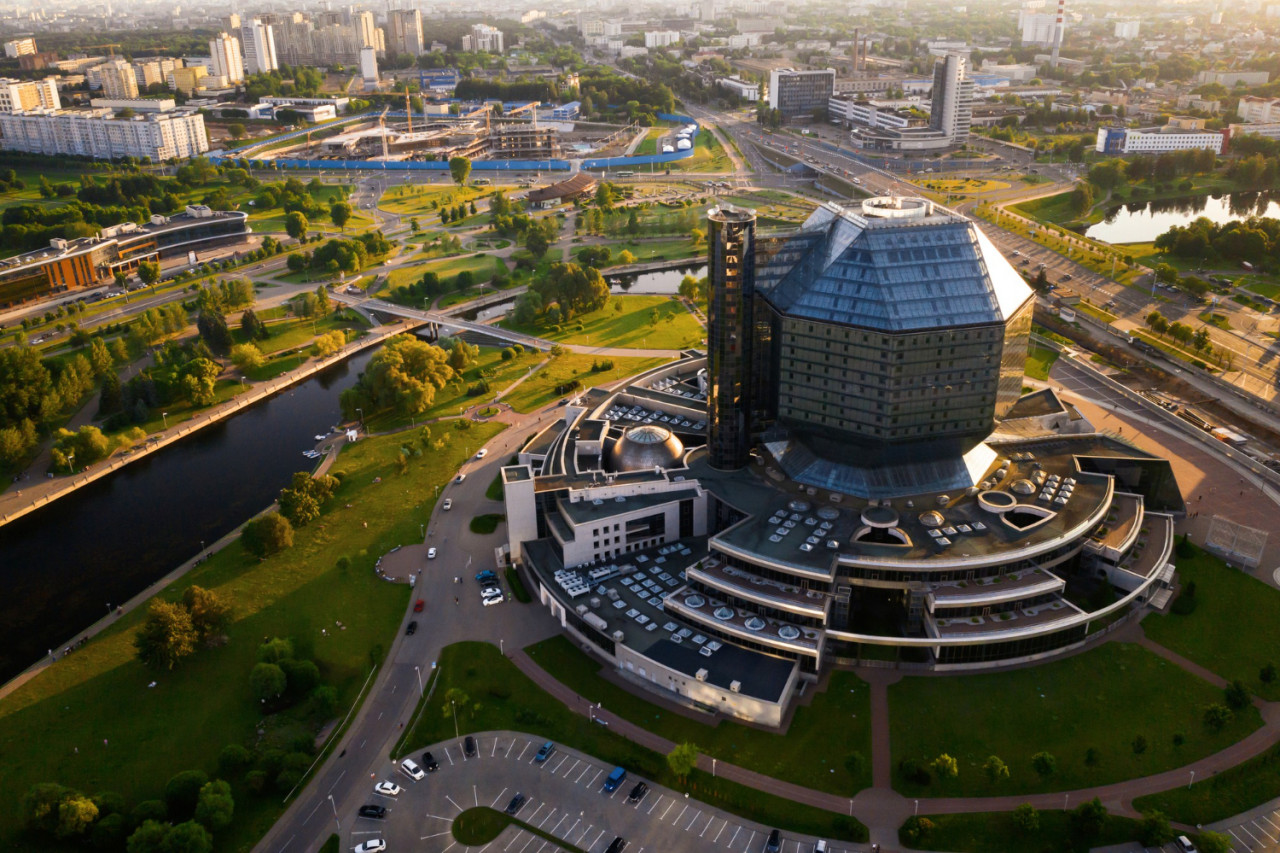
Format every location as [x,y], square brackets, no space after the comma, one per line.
[1154,830]
[1045,764]
[323,304]
[455,701]
[537,244]
[148,272]
[216,806]
[1267,674]
[247,357]
[166,637]
[295,225]
[236,130]
[1216,717]
[182,792]
[683,759]
[267,681]
[945,766]
[1087,821]
[100,358]
[995,769]
[625,257]
[212,326]
[148,838]
[267,535]
[405,375]
[462,355]
[1026,818]
[121,278]
[460,169]
[1214,842]
[301,500]
[189,837]
[1081,198]
[1157,323]
[196,380]
[328,344]
[340,213]
[1237,695]
[58,810]
[210,614]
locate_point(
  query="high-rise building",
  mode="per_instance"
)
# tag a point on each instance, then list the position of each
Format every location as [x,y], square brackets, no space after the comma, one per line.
[18,96]
[258,44]
[731,276]
[99,134]
[20,47]
[952,110]
[118,79]
[483,39]
[404,32]
[227,59]
[798,93]
[369,64]
[149,72]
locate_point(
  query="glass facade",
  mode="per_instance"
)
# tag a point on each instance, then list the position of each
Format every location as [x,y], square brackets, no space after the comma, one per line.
[731,270]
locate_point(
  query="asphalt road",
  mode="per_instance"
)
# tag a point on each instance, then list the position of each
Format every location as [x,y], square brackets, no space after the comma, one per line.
[565,797]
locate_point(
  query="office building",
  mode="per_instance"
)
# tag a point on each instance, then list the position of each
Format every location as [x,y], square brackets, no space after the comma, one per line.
[1038,30]
[404,32]
[117,79]
[21,95]
[741,88]
[99,134]
[20,47]
[1254,109]
[731,276]
[1127,29]
[258,46]
[91,261]
[799,93]
[1157,140]
[228,61]
[483,39]
[952,109]
[661,38]
[899,498]
[191,79]
[369,64]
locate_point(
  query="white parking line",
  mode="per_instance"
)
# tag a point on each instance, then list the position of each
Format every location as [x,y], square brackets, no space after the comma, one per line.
[592,783]
[682,811]
[527,744]
[716,840]
[710,821]
[697,814]
[532,838]
[1238,838]
[1250,834]
[435,835]
[557,826]
[476,793]
[584,772]
[514,839]
[747,846]
[570,830]
[1270,823]
[547,818]
[574,767]
[495,799]
[664,814]
[448,756]
[510,747]
[455,805]
[1263,831]
[535,813]
[562,760]
[597,841]
[655,804]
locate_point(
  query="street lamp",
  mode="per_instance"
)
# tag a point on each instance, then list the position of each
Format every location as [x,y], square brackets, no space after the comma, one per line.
[454,705]
[164,416]
[361,411]
[1193,779]
[419,671]
[335,812]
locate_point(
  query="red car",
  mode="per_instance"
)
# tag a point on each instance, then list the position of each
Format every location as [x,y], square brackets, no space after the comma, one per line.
[418,605]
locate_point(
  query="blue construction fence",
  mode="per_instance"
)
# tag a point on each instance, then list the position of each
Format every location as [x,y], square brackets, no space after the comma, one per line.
[549,165]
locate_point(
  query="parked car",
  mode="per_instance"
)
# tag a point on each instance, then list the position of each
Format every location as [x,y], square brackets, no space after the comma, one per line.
[387,789]
[469,746]
[373,845]
[615,779]
[617,845]
[482,453]
[418,605]
[773,844]
[411,769]
[431,553]
[545,752]
[429,762]
[638,792]
[486,576]
[516,802]
[490,600]
[372,811]
[411,628]
[448,504]
[459,478]
[1184,844]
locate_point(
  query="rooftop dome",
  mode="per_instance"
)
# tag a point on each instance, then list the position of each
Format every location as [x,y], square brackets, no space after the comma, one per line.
[646,446]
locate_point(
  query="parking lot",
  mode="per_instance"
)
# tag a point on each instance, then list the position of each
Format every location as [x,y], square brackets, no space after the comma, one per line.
[565,798]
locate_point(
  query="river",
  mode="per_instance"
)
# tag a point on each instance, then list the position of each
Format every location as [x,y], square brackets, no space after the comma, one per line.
[62,566]
[661,282]
[1142,222]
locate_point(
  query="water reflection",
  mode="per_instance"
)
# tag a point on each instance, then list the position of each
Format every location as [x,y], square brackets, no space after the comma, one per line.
[1142,222]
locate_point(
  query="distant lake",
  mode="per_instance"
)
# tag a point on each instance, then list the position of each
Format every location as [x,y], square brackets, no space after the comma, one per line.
[1142,222]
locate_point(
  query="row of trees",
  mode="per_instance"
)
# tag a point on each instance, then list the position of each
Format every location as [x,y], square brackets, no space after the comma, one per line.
[1256,239]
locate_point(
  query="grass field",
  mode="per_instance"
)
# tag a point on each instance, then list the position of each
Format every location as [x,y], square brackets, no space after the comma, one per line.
[649,145]
[630,327]
[101,691]
[482,268]
[540,388]
[505,698]
[1231,608]
[1222,795]
[299,332]
[657,250]
[1040,361]
[416,200]
[806,755]
[962,186]
[708,156]
[995,832]
[1102,699]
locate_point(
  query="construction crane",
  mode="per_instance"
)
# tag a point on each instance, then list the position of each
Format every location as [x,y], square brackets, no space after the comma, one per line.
[111,48]
[382,123]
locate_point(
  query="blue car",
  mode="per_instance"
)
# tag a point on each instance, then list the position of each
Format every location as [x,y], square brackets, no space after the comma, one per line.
[486,576]
[544,753]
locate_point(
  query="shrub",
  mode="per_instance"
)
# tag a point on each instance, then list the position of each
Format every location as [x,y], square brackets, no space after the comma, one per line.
[1026,818]
[915,830]
[233,759]
[1139,745]
[1237,695]
[1185,603]
[1045,764]
[149,810]
[915,772]
[1216,717]
[183,790]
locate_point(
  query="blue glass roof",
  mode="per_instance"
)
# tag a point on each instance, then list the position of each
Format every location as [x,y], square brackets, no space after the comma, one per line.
[925,269]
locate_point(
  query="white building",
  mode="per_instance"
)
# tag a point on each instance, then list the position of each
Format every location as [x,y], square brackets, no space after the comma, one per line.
[1015,73]
[1038,29]
[20,47]
[1252,108]
[1269,129]
[22,95]
[483,39]
[1231,79]
[952,110]
[1123,140]
[97,133]
[369,64]
[117,79]
[661,38]
[1127,29]
[149,72]
[741,88]
[224,50]
[258,43]
[138,105]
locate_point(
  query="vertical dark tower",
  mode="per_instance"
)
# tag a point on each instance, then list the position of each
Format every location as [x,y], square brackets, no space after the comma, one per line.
[731,272]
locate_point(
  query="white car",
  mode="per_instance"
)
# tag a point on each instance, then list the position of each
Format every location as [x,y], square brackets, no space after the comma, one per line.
[373,845]
[492,599]
[412,770]
[448,504]
[431,553]
[387,789]
[482,453]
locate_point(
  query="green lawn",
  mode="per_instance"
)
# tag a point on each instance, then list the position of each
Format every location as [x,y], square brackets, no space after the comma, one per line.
[183,410]
[995,832]
[806,755]
[453,398]
[540,388]
[482,267]
[1222,795]
[632,326]
[508,699]
[1039,361]
[300,332]
[1225,633]
[414,200]
[708,156]
[205,704]
[656,250]
[649,145]
[1102,699]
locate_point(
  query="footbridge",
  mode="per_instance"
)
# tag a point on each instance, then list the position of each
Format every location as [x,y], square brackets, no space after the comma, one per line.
[438,321]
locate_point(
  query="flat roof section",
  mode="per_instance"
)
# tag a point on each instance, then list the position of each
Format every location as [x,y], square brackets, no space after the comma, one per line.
[758,675]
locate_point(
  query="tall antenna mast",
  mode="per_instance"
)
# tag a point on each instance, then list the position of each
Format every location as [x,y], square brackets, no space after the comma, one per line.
[1058,27]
